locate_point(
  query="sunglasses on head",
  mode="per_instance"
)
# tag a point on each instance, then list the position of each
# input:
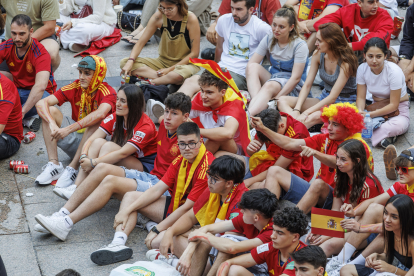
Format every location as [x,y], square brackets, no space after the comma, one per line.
[403,169]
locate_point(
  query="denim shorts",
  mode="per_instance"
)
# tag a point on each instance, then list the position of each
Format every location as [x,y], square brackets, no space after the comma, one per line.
[148,162]
[350,99]
[371,237]
[298,188]
[24,95]
[144,180]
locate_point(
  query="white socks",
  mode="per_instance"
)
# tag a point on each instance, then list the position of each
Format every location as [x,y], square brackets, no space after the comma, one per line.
[64,212]
[358,260]
[349,250]
[120,238]
[150,224]
[68,222]
[174,262]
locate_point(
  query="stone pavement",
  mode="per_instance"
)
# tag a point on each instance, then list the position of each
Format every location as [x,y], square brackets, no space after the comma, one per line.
[29,253]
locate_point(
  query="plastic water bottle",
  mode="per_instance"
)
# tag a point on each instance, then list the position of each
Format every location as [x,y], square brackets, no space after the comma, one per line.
[367,131]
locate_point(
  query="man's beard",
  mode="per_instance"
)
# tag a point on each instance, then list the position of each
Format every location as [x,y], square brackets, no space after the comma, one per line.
[24,43]
[241,20]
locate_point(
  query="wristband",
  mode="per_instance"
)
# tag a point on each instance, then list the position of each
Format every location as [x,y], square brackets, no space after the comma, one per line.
[296,110]
[133,59]
[82,156]
[155,230]
[92,163]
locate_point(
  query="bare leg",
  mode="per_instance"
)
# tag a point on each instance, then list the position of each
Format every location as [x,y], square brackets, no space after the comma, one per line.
[256,76]
[129,162]
[376,246]
[51,145]
[101,195]
[287,103]
[228,145]
[170,78]
[311,42]
[315,196]
[7,74]
[221,257]
[53,48]
[259,102]
[255,179]
[348,270]
[88,132]
[236,270]
[190,86]
[277,179]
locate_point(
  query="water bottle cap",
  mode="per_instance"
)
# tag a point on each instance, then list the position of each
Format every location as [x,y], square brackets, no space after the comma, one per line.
[367,115]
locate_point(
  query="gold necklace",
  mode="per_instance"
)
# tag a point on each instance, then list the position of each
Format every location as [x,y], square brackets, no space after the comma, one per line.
[172,26]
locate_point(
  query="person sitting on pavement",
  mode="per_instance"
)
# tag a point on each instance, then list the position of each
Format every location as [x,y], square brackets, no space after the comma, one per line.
[261,161]
[239,34]
[217,203]
[185,180]
[355,183]
[180,41]
[77,33]
[11,128]
[398,225]
[386,82]
[288,54]
[337,66]
[102,178]
[91,100]
[289,224]
[309,261]
[200,8]
[219,111]
[344,123]
[30,66]
[255,225]
[360,22]
[43,15]
[370,212]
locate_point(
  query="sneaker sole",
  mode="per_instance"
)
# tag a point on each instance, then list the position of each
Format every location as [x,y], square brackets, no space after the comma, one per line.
[43,223]
[390,154]
[35,126]
[43,231]
[106,257]
[42,184]
[157,110]
[60,195]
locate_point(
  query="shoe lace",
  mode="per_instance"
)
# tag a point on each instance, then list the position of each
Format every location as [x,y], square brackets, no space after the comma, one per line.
[49,164]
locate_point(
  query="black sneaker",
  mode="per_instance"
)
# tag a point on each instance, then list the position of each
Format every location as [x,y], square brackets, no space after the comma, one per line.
[315,128]
[208,53]
[388,141]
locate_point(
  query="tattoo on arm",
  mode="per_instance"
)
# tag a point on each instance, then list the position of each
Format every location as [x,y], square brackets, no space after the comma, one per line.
[89,120]
[372,228]
[86,146]
[223,266]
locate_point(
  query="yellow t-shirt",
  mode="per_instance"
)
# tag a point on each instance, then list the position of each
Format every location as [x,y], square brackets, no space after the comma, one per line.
[37,10]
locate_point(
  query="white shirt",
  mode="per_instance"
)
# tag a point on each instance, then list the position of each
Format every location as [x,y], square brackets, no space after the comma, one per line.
[240,42]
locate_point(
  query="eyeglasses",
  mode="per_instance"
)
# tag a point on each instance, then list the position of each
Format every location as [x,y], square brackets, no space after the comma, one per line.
[191,145]
[211,179]
[162,9]
[403,169]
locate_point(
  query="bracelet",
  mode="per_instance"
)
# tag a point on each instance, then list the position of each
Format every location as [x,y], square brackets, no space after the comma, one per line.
[155,230]
[92,163]
[133,59]
[82,156]
[296,110]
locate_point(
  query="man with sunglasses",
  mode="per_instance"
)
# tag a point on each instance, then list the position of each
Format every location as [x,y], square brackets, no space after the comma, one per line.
[371,210]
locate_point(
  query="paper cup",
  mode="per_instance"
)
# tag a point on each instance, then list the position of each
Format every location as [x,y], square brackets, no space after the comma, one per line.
[118,8]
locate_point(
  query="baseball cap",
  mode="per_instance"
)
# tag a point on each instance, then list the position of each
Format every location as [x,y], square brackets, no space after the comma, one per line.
[88,63]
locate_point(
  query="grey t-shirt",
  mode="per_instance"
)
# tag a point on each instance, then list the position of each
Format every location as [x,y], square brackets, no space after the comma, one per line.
[287,53]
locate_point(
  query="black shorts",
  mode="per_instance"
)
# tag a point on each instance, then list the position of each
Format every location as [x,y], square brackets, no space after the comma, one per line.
[9,145]
[167,205]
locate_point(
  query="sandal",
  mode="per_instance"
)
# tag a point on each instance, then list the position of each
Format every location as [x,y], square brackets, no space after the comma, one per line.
[125,38]
[390,154]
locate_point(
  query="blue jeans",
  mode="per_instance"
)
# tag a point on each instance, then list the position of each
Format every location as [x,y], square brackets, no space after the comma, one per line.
[24,95]
[137,2]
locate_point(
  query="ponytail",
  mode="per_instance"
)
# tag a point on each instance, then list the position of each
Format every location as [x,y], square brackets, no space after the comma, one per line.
[289,13]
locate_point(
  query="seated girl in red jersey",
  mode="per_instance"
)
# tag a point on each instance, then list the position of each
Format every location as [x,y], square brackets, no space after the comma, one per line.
[370,213]
[289,225]
[355,183]
[261,160]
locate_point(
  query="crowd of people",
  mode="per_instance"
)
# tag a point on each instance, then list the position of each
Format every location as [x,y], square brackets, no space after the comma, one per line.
[205,170]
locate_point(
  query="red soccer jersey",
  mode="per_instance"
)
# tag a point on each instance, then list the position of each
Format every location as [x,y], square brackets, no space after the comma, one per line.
[252,232]
[25,68]
[10,109]
[143,138]
[369,190]
[167,151]
[401,189]
[266,253]
[359,30]
[198,183]
[267,9]
[72,93]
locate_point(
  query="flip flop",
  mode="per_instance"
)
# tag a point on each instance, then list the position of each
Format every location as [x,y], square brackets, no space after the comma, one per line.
[125,38]
[390,154]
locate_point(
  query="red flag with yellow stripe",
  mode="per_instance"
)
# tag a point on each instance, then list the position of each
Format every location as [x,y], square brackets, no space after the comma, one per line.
[327,223]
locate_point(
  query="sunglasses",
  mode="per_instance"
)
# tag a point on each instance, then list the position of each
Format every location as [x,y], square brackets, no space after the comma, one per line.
[403,169]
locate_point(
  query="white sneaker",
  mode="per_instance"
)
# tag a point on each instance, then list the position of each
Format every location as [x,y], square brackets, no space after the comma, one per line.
[111,253]
[65,193]
[154,254]
[334,266]
[55,225]
[50,173]
[155,110]
[33,123]
[141,221]
[41,229]
[67,178]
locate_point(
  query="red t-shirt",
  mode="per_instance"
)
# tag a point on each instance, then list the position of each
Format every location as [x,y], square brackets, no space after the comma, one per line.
[25,68]
[267,9]
[72,93]
[10,109]
[144,137]
[266,253]
[359,30]
[318,10]
[401,189]
[252,232]
[198,183]
[167,151]
[370,190]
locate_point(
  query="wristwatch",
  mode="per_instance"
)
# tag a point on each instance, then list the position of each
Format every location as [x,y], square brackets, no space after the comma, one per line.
[155,230]
[402,57]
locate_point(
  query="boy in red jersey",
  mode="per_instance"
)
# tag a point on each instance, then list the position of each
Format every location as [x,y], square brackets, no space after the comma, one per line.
[261,161]
[360,22]
[289,225]
[11,129]
[344,122]
[91,100]
[29,64]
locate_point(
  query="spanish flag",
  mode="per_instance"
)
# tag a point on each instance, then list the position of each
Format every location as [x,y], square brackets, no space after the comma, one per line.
[327,223]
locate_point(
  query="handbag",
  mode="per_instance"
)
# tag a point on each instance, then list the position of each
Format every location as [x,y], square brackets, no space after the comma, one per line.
[85,11]
[128,22]
[381,104]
